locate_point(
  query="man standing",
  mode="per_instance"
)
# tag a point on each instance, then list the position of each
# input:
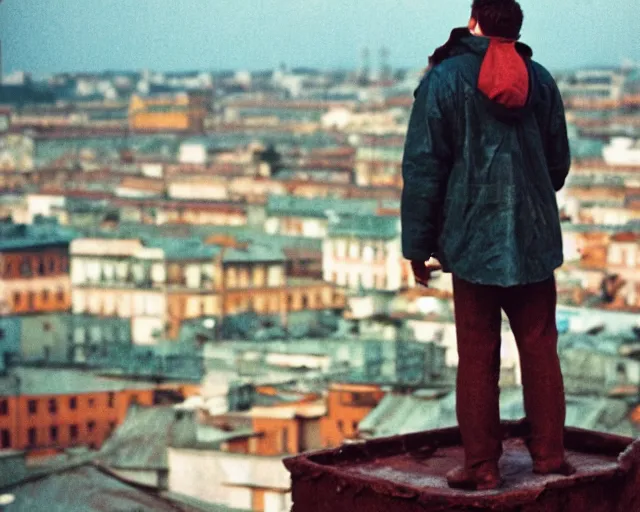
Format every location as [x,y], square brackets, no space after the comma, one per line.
[486,150]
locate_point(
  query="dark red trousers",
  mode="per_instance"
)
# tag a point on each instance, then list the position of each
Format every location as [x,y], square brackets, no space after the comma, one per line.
[531,311]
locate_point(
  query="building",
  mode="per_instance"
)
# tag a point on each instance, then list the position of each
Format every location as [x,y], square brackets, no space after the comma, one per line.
[623,259]
[34,268]
[122,279]
[363,252]
[161,211]
[347,405]
[45,411]
[35,290]
[242,467]
[300,216]
[255,281]
[181,112]
[378,162]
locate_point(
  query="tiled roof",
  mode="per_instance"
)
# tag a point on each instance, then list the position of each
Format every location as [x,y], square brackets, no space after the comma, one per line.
[254,253]
[49,381]
[87,489]
[369,226]
[141,441]
[283,206]
[27,236]
[403,414]
[188,249]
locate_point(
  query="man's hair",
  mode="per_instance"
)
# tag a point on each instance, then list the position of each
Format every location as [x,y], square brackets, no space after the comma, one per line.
[498,18]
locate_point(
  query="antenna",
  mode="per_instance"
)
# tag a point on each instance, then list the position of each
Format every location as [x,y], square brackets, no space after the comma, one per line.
[385,67]
[365,66]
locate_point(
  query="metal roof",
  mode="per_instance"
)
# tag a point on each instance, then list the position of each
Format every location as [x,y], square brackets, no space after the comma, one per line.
[366,226]
[88,489]
[403,414]
[141,441]
[52,381]
[27,236]
[284,206]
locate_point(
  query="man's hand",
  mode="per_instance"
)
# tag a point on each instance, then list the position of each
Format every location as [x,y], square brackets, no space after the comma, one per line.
[422,270]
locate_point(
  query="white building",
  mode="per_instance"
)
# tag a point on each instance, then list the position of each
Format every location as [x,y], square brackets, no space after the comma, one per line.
[120,278]
[365,253]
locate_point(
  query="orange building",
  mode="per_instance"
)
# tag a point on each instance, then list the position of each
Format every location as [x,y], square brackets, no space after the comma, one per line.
[45,411]
[34,268]
[182,112]
[347,405]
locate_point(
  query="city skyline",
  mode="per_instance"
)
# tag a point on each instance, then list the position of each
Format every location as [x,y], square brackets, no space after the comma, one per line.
[199,35]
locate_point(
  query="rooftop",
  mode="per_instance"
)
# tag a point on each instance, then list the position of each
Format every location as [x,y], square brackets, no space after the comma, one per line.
[416,412]
[366,226]
[407,473]
[51,381]
[29,236]
[282,206]
[141,441]
[88,488]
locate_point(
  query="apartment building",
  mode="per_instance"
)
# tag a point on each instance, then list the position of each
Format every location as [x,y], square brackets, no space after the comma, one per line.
[45,411]
[363,252]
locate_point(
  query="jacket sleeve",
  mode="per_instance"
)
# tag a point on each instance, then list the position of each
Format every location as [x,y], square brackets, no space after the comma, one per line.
[556,140]
[426,166]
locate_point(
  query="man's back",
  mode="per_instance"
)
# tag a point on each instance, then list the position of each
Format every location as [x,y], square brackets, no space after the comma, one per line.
[486,150]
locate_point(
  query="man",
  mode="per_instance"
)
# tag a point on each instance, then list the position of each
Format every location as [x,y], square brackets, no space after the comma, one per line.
[486,150]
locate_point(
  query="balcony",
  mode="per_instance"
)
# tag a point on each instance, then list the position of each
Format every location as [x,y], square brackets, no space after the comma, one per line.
[407,473]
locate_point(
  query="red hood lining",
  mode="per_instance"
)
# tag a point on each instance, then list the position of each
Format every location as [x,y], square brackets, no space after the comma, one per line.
[504,77]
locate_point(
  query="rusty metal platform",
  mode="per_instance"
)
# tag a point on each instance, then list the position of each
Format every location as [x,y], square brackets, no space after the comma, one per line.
[407,473]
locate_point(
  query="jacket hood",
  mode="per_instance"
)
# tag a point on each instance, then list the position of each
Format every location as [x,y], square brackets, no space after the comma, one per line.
[505,77]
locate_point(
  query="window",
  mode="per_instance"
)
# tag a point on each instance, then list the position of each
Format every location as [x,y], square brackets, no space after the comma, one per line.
[73,432]
[91,402]
[4,407]
[112,426]
[17,299]
[32,437]
[5,439]
[53,434]
[31,300]
[111,399]
[41,267]
[354,250]
[53,406]
[60,295]
[32,406]
[91,426]
[52,265]
[73,403]
[45,295]
[64,264]
[25,268]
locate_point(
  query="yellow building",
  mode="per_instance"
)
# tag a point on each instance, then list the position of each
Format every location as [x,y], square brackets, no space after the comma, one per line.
[169,112]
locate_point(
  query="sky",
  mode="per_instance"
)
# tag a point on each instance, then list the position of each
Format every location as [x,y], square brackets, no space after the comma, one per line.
[47,36]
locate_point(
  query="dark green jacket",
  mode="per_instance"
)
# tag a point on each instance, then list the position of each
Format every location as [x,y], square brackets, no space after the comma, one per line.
[485,152]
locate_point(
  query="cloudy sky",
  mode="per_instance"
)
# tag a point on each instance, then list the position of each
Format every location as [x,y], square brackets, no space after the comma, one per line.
[43,36]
